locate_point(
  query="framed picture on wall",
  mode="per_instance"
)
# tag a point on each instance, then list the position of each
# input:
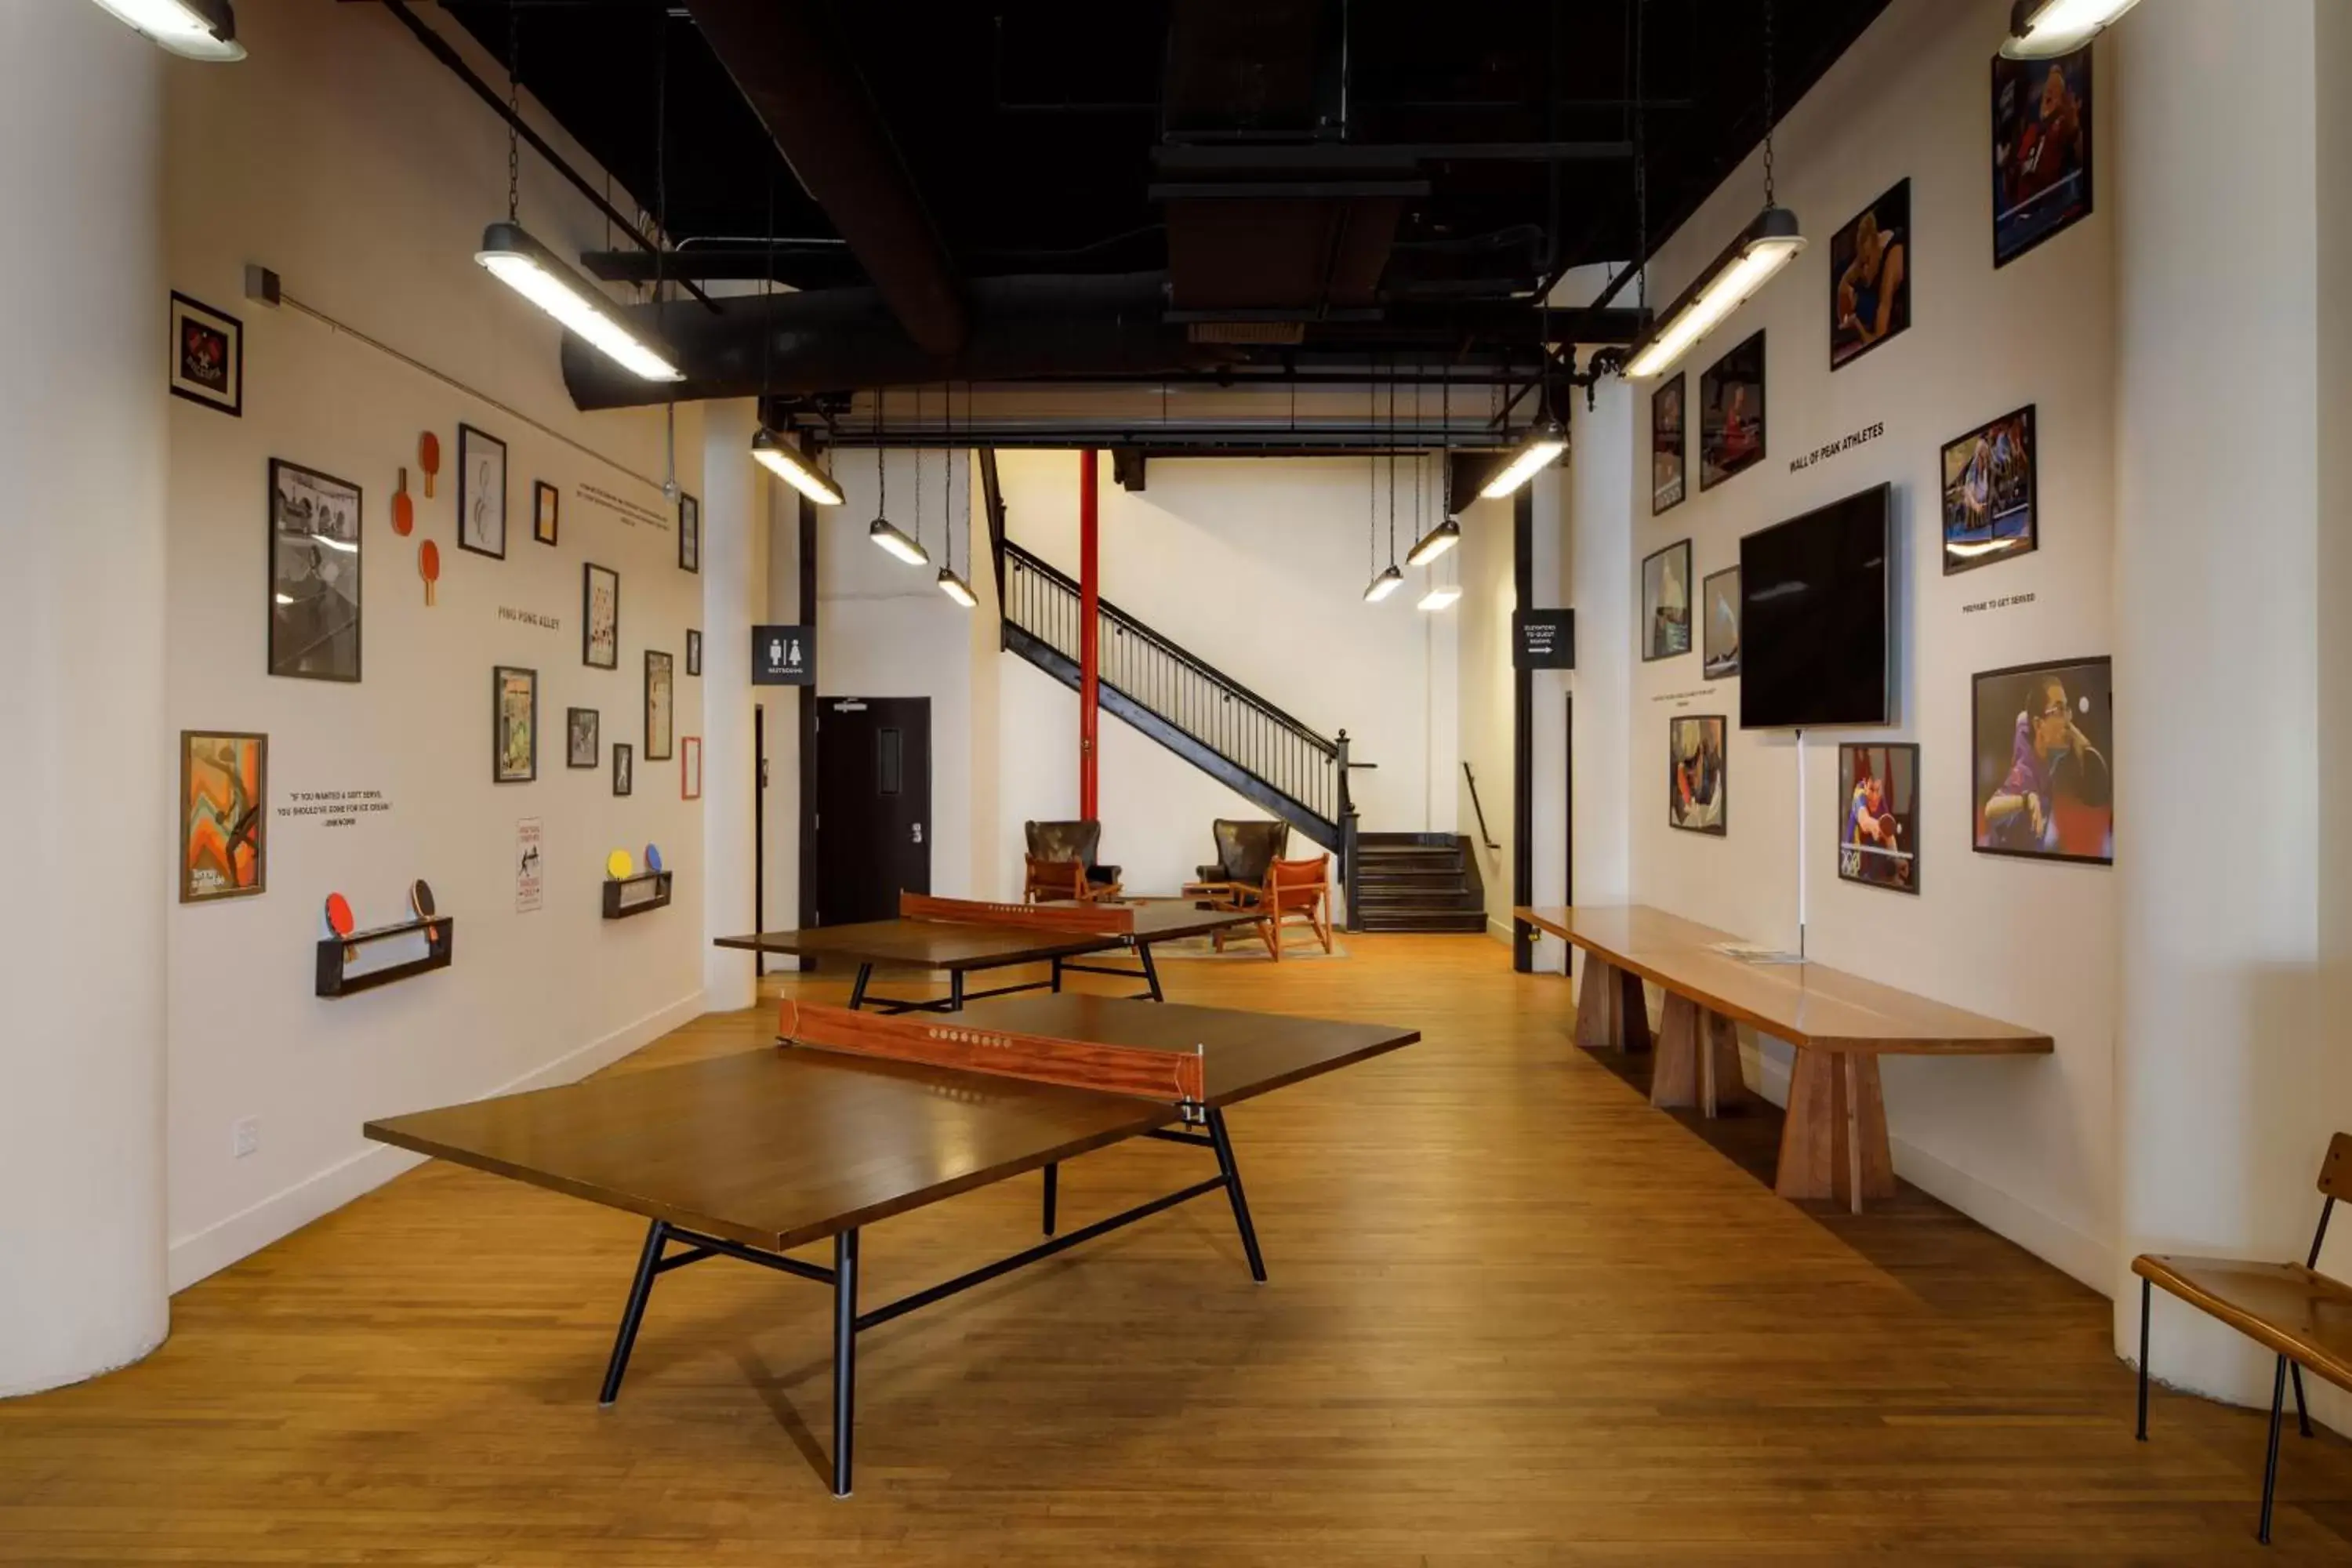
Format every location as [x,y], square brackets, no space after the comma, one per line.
[314,573]
[693,651]
[1698,778]
[1666,602]
[1878,819]
[2042,786]
[1666,447]
[514,724]
[546,501]
[661,705]
[481,492]
[1870,277]
[2041,150]
[1731,412]
[1719,602]
[600,616]
[689,534]
[207,356]
[1989,492]
[689,767]
[623,769]
[224,814]
[582,741]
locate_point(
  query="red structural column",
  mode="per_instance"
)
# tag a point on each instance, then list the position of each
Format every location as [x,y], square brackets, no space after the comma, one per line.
[1089,595]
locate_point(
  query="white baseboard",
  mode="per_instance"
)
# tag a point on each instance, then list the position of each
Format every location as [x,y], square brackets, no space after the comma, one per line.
[1499,929]
[247,1232]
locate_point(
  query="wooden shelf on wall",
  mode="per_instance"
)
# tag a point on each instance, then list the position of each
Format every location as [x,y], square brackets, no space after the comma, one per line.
[336,952]
[626,896]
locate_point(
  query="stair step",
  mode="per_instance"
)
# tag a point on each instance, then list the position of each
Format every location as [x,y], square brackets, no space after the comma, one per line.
[1417,877]
[1420,898]
[1470,922]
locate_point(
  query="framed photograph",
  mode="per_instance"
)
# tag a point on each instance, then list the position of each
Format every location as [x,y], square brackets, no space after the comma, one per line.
[693,651]
[600,616]
[546,501]
[621,758]
[514,725]
[582,743]
[1718,599]
[661,705]
[1878,821]
[2042,786]
[689,767]
[689,534]
[2041,150]
[1731,412]
[1989,494]
[481,492]
[1666,452]
[314,573]
[1666,602]
[207,356]
[1870,277]
[1698,780]
[223,815]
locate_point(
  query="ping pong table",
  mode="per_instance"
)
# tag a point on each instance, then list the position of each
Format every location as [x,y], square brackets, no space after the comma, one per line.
[964,935]
[853,1117]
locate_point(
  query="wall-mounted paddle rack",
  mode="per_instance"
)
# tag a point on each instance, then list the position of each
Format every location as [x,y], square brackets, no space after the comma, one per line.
[626,896]
[338,953]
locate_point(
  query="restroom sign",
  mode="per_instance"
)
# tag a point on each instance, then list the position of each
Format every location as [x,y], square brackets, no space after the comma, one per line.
[783,656]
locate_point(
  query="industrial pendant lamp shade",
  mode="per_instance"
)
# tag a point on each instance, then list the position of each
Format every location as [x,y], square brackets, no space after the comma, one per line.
[1391,579]
[1435,543]
[1749,263]
[890,537]
[776,454]
[1440,597]
[533,272]
[193,29]
[1546,440]
[2045,29]
[956,588]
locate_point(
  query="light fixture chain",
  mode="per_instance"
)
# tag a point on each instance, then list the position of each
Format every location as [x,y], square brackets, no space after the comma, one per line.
[1641,158]
[514,112]
[1771,82]
[919,468]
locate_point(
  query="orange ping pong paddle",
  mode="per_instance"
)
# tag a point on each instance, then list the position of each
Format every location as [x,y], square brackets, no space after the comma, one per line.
[403,508]
[428,567]
[428,458]
[339,914]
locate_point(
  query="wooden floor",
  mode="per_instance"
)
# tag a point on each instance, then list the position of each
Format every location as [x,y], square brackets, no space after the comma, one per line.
[1516,1316]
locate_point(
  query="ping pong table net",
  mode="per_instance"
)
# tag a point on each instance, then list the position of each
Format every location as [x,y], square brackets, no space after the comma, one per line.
[1083,920]
[943,1040]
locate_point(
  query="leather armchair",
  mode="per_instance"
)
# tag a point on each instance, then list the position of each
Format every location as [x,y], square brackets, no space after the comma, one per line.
[1071,845]
[1244,850]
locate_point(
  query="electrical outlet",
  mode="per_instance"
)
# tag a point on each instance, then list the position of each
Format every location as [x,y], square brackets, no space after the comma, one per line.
[244,1136]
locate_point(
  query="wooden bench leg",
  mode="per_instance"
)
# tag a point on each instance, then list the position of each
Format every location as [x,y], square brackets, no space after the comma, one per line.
[1632,1014]
[1834,1143]
[1675,1073]
[1610,1012]
[1720,1085]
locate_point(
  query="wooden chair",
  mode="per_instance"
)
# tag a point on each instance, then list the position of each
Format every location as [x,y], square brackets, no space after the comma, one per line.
[1292,891]
[2292,1309]
[1245,850]
[1061,863]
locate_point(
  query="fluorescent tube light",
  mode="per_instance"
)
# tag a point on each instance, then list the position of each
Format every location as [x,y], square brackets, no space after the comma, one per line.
[531,270]
[889,537]
[1440,597]
[1764,248]
[193,29]
[956,588]
[777,456]
[1545,442]
[2045,29]
[1381,586]
[1435,543]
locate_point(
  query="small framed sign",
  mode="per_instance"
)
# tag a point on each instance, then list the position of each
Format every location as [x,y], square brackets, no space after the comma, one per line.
[1543,639]
[783,656]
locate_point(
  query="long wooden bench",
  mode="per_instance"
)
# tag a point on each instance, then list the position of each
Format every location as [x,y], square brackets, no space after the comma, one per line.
[1834,1143]
[2292,1309]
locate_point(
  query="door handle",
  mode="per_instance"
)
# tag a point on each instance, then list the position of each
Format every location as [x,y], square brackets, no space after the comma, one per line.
[918,833]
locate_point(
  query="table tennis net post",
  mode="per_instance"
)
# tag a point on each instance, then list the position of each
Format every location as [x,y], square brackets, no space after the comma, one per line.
[1178,1078]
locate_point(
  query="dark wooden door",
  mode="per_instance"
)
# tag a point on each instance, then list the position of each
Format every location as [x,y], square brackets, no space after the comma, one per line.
[874,805]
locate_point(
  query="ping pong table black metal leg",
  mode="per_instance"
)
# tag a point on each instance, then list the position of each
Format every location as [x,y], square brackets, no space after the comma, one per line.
[844,1354]
[857,989]
[1057,978]
[648,1267]
[1052,1193]
[1232,1175]
[955,990]
[1150,972]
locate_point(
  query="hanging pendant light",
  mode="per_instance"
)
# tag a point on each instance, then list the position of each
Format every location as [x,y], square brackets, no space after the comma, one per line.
[953,586]
[1390,578]
[1546,440]
[883,532]
[193,29]
[2045,29]
[1435,543]
[769,450]
[1440,597]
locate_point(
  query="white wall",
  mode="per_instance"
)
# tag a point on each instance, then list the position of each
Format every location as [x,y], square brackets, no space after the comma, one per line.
[341,155]
[1484,718]
[2026,1145]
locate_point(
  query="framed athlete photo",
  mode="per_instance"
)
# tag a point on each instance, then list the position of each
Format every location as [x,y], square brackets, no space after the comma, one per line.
[1666,602]
[689,534]
[1988,479]
[1718,601]
[223,815]
[314,573]
[1666,447]
[689,767]
[1878,815]
[2041,150]
[546,501]
[481,492]
[2042,784]
[1698,777]
[514,725]
[1870,277]
[580,727]
[207,356]
[1731,412]
[661,705]
[624,768]
[600,616]
[693,651]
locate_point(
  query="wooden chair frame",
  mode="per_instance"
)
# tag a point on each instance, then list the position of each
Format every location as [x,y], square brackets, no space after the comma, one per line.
[1062,880]
[1280,902]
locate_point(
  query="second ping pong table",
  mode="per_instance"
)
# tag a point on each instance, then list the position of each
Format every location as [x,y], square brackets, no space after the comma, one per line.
[962,936]
[853,1117]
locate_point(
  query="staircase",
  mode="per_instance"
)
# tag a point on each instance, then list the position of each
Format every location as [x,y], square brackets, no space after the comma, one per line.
[1417,881]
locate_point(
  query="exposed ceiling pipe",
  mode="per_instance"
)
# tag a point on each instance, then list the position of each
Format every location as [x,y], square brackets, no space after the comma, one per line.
[798,78]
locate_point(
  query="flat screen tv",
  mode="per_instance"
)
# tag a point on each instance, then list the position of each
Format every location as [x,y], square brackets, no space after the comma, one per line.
[1814,617]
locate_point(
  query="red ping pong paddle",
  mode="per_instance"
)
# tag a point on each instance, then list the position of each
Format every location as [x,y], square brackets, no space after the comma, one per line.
[428,567]
[420,898]
[339,914]
[403,508]
[428,458]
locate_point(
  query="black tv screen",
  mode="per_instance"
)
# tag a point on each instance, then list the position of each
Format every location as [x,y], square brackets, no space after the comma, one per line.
[1814,616]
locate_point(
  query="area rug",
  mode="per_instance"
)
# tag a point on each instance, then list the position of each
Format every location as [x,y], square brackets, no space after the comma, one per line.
[1297,943]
